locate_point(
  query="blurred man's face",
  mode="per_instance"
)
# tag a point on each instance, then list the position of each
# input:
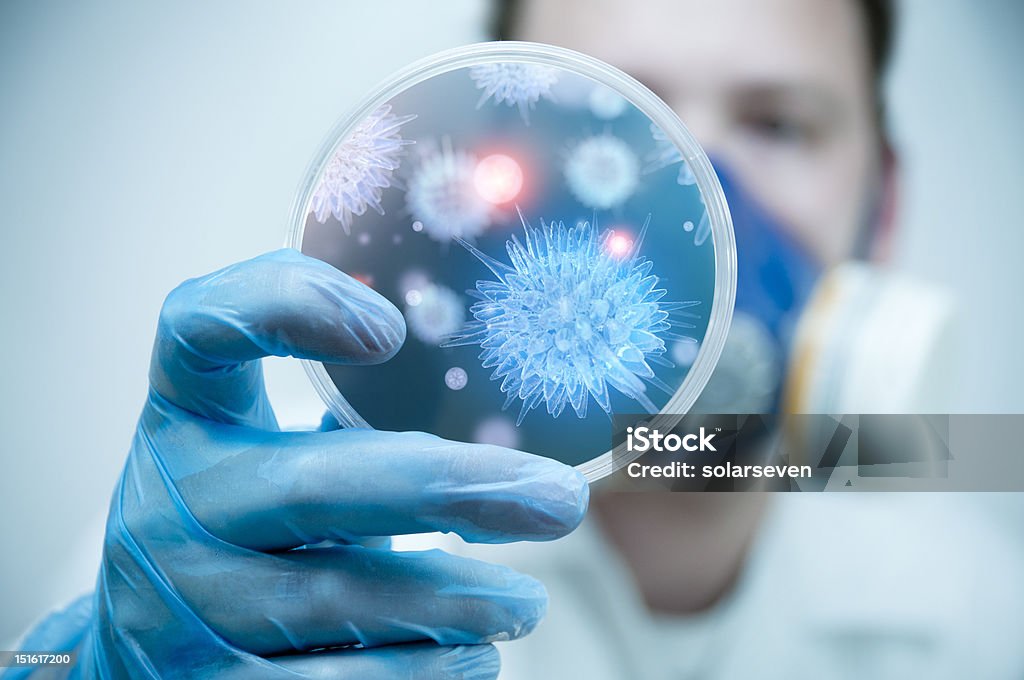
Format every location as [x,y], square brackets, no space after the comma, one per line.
[780,90]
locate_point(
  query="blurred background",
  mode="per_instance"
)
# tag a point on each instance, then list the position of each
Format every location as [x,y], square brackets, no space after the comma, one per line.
[145,143]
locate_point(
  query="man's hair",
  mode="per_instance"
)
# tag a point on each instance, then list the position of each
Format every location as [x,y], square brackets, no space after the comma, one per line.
[879,20]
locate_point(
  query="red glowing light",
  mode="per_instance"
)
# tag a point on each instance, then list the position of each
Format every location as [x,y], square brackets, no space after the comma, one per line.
[620,244]
[498,178]
[365,279]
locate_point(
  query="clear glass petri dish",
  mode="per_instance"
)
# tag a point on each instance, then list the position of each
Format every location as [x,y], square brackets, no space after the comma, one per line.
[557,240]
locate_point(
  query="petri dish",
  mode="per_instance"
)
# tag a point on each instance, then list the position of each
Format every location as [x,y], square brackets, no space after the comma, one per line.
[557,240]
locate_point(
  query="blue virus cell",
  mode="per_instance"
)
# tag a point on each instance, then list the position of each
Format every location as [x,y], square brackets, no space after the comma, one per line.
[441,195]
[571,318]
[433,313]
[602,171]
[362,167]
[666,154]
[520,85]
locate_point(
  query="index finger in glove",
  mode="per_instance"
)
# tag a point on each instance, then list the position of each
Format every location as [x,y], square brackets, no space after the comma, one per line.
[278,490]
[213,328]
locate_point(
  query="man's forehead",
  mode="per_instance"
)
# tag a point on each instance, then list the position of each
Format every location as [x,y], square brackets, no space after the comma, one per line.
[692,44]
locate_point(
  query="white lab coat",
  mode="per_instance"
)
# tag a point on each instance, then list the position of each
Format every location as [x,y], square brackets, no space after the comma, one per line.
[836,586]
[853,586]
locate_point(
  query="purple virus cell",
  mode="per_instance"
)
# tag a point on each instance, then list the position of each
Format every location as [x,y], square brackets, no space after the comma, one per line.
[455,378]
[665,154]
[570,318]
[361,168]
[442,197]
[520,85]
[602,171]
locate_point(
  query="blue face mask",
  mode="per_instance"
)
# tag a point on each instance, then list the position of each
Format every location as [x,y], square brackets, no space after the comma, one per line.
[775,278]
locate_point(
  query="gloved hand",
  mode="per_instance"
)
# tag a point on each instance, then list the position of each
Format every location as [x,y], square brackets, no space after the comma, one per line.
[234,550]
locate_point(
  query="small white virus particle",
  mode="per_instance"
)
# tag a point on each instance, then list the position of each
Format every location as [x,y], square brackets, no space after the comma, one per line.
[520,85]
[413,298]
[417,226]
[364,238]
[437,313]
[442,195]
[569,319]
[497,431]
[606,103]
[455,378]
[362,167]
[665,154]
[602,171]
[687,226]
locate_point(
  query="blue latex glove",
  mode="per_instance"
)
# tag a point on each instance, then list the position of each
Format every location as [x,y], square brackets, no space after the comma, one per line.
[204,567]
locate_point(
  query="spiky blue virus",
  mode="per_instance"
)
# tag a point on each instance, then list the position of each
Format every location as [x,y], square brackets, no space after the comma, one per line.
[361,168]
[571,317]
[520,85]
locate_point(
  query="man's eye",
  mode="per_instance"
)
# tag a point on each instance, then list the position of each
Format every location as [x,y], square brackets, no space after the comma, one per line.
[778,128]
